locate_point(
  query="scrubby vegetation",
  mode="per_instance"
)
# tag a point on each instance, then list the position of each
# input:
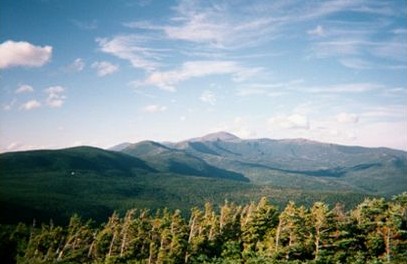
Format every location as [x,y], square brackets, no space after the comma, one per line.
[375,231]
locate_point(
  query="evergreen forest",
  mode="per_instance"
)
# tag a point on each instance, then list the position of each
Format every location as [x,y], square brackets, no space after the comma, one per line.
[374,231]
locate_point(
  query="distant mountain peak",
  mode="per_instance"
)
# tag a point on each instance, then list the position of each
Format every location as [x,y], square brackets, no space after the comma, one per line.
[301,141]
[120,146]
[224,136]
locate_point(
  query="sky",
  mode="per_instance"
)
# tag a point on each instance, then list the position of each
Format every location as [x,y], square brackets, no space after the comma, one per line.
[100,73]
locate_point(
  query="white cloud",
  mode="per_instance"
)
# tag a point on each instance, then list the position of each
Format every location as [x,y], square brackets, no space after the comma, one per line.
[295,121]
[77,65]
[167,80]
[30,105]
[132,48]
[208,97]
[318,31]
[104,68]
[14,54]
[56,97]
[154,108]
[24,88]
[347,118]
[9,106]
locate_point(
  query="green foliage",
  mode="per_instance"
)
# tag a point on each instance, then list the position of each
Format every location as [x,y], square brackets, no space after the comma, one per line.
[373,232]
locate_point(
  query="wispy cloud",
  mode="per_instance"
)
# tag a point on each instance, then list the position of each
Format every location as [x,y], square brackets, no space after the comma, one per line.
[167,80]
[77,65]
[24,88]
[356,45]
[132,48]
[208,97]
[104,68]
[222,25]
[8,106]
[344,88]
[269,88]
[221,28]
[395,49]
[14,54]
[213,26]
[356,63]
[391,111]
[317,31]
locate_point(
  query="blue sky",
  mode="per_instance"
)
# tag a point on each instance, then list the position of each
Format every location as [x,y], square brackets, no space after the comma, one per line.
[104,72]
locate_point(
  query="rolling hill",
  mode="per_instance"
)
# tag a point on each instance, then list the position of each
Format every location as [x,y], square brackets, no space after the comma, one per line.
[54,184]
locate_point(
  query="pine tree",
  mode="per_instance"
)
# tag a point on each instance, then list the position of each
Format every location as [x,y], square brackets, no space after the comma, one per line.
[370,215]
[141,239]
[77,241]
[179,241]
[230,231]
[321,225]
[256,224]
[344,235]
[291,233]
[392,230]
[195,240]
[43,245]
[107,241]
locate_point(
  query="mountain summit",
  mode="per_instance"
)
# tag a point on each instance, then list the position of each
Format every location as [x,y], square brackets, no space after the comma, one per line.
[222,136]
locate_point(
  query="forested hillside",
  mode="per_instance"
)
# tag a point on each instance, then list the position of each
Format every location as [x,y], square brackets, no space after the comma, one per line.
[375,231]
[54,184]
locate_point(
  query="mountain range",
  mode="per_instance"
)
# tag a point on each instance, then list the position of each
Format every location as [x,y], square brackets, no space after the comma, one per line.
[298,163]
[53,184]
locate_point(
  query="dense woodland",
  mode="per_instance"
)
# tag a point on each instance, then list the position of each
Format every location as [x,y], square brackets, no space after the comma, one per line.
[375,231]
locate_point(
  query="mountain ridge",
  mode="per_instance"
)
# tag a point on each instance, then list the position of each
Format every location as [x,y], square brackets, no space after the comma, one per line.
[293,162]
[227,136]
[46,184]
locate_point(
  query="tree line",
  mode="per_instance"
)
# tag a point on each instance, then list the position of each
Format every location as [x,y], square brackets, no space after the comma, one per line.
[375,231]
